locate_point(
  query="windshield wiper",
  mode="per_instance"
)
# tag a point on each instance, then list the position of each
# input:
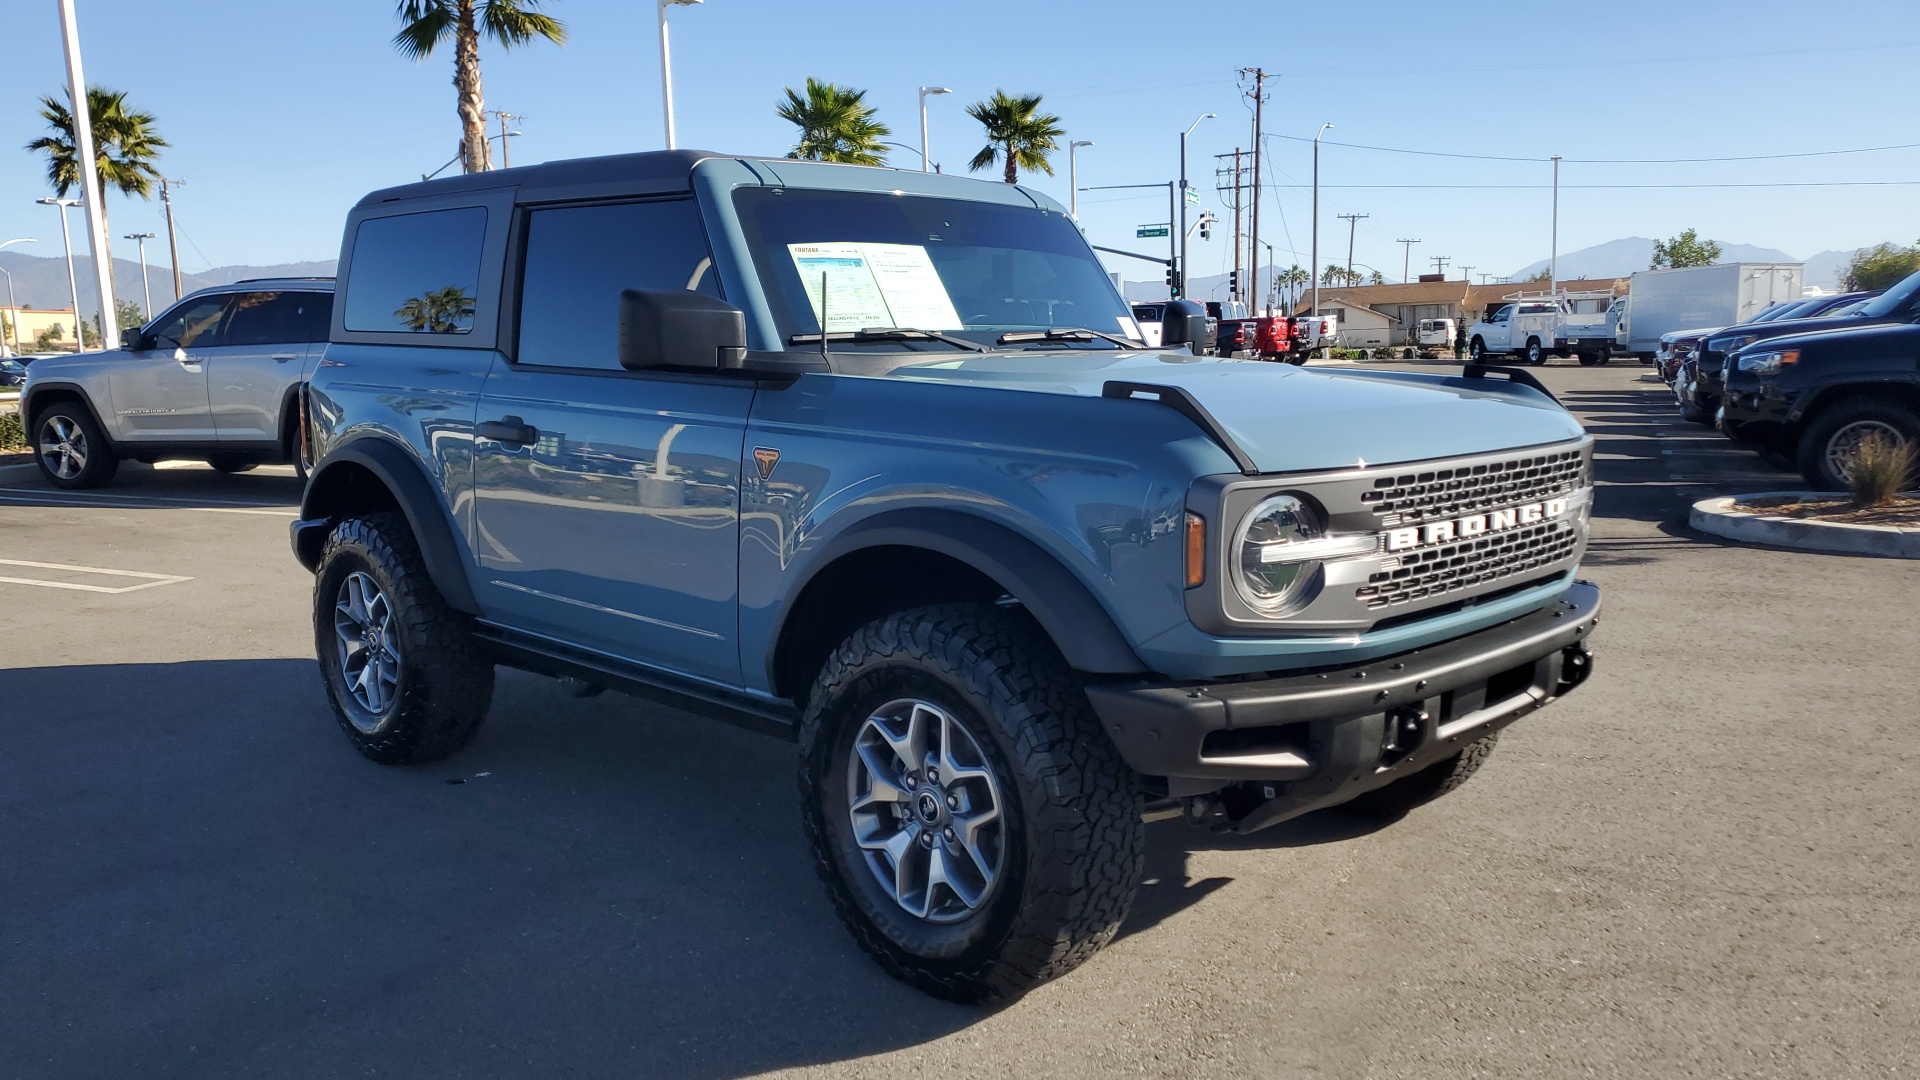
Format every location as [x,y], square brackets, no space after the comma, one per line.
[888,333]
[1066,333]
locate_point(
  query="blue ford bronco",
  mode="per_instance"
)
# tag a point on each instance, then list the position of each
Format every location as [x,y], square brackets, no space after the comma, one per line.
[878,461]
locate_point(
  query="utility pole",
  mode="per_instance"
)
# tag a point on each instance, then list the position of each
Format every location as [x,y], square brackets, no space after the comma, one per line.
[1440,264]
[1259,96]
[1314,310]
[1466,274]
[1353,221]
[1406,258]
[146,290]
[1484,276]
[1239,286]
[1553,254]
[173,245]
[506,158]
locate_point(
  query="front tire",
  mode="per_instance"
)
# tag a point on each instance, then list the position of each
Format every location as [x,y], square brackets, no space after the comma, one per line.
[1477,351]
[1535,355]
[229,464]
[977,831]
[1403,795]
[406,682]
[1827,446]
[71,450]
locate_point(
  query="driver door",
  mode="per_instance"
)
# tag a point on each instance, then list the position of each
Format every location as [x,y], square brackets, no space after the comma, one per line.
[160,394]
[1499,333]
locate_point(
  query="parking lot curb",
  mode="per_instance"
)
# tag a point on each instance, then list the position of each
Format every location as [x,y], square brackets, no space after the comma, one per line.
[1717,516]
[10,473]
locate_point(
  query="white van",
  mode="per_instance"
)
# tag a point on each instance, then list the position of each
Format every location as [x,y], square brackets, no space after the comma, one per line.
[1434,336]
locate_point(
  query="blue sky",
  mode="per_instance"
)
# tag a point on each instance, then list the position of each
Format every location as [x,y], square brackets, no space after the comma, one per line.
[282,114]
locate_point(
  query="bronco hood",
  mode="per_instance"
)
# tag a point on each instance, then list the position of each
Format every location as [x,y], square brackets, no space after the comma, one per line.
[1290,419]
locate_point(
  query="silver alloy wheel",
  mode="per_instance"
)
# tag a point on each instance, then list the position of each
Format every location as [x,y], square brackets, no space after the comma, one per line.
[926,810]
[1844,445]
[63,447]
[368,643]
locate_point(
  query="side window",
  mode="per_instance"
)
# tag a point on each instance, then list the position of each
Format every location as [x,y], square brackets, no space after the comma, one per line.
[417,273]
[268,318]
[195,324]
[580,258]
[315,320]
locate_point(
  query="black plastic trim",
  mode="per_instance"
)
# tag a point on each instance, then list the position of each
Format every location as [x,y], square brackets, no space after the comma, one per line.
[404,477]
[1513,374]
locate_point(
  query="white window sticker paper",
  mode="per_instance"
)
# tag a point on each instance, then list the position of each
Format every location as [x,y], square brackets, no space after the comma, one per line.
[874,285]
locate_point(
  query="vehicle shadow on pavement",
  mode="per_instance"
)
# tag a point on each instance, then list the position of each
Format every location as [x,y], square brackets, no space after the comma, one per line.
[202,878]
[143,487]
[1168,887]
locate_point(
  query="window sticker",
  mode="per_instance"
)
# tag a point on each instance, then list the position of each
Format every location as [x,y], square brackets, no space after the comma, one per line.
[874,285]
[1129,328]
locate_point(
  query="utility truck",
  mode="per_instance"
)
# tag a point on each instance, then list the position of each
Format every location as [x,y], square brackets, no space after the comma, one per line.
[1535,326]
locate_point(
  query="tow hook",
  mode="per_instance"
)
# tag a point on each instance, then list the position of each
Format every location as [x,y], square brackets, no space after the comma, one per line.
[1576,663]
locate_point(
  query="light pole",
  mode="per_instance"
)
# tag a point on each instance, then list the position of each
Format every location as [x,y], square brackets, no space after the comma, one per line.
[1073,176]
[904,146]
[666,65]
[88,167]
[141,238]
[1181,274]
[14,318]
[73,283]
[924,91]
[1314,260]
[1553,252]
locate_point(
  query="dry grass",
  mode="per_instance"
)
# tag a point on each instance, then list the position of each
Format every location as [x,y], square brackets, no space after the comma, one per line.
[1881,470]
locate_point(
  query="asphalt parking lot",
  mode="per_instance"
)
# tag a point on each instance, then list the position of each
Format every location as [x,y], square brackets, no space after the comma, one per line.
[1701,865]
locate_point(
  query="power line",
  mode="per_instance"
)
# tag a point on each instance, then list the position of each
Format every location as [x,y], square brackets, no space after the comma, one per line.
[1608,187]
[1605,161]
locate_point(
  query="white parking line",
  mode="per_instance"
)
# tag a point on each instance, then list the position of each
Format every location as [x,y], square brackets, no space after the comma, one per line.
[147,581]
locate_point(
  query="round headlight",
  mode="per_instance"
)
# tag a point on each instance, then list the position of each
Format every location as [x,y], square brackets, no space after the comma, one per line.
[1272,574]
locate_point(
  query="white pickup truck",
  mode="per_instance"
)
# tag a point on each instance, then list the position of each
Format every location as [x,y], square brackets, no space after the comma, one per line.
[1536,327]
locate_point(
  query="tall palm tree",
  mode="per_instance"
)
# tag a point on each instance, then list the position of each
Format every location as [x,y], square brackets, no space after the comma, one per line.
[124,148]
[427,23]
[1018,134]
[836,124]
[1295,278]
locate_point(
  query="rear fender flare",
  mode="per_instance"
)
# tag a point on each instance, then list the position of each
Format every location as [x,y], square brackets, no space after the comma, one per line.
[417,497]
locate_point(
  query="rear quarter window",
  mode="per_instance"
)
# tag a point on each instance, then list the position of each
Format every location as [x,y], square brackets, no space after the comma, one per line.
[416,273]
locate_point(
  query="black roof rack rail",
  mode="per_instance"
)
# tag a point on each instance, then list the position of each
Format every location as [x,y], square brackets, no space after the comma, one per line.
[1513,374]
[283,277]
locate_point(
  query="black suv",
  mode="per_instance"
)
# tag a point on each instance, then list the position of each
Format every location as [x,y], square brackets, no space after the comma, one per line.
[1817,396]
[1897,305]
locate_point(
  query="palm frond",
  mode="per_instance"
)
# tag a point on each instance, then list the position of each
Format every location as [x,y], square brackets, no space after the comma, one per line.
[516,22]
[836,124]
[426,23]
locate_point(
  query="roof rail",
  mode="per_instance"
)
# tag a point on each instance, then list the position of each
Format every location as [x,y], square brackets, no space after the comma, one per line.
[284,277]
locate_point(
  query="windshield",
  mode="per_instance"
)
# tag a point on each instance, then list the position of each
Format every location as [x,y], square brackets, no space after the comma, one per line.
[969,269]
[1894,300]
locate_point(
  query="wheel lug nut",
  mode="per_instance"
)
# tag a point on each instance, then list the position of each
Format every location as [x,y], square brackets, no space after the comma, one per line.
[926,839]
[949,835]
[953,802]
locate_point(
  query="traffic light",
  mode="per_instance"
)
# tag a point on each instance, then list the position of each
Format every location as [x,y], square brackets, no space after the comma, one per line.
[1233,283]
[1173,283]
[1206,228]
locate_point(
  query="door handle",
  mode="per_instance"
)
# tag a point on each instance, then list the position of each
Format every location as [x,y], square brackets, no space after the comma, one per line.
[283,357]
[510,430]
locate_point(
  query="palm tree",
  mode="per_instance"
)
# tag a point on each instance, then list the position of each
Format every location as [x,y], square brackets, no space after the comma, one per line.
[1295,279]
[124,148]
[427,23]
[1018,135]
[439,311]
[836,124]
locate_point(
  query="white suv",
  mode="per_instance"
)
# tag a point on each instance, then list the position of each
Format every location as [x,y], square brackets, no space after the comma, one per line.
[215,378]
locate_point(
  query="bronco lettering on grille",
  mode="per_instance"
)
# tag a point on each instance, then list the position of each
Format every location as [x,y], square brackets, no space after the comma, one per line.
[1463,528]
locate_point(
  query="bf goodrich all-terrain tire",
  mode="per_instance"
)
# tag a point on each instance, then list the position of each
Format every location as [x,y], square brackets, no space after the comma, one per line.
[70,449]
[403,675]
[1827,444]
[1424,786]
[975,827]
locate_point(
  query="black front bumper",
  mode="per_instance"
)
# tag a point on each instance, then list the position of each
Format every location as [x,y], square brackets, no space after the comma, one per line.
[1321,738]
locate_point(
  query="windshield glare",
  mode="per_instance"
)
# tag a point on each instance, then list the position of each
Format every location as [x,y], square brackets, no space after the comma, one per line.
[969,269]
[1894,300]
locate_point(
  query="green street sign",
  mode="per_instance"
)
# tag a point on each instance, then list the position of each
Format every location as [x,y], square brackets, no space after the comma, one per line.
[1145,231]
[1193,197]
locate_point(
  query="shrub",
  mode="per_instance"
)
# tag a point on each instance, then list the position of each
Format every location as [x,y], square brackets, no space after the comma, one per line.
[12,437]
[1881,469]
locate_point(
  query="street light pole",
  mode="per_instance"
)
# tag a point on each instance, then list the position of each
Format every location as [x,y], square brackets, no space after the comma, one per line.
[1313,269]
[146,291]
[83,149]
[666,66]
[924,151]
[14,319]
[1180,275]
[73,283]
[1073,176]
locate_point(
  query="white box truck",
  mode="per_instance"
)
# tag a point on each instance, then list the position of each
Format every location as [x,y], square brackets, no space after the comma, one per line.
[1660,301]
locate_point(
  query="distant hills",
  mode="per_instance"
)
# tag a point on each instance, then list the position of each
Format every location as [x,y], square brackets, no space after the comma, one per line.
[1619,258]
[41,282]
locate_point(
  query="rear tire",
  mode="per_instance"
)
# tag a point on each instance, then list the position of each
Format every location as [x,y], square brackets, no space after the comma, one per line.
[1403,795]
[70,448]
[405,680]
[1824,444]
[1477,351]
[228,464]
[1535,355]
[1064,843]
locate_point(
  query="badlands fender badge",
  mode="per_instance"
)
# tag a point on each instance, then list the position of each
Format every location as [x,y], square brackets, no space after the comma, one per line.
[765,457]
[1467,528]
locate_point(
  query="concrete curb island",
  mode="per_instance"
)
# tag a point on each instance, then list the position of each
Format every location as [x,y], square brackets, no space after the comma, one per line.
[1717,516]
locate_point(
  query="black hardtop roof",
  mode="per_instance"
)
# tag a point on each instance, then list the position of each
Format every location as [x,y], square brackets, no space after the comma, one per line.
[658,170]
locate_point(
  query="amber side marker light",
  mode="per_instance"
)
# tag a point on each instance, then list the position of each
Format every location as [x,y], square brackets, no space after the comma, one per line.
[1196,551]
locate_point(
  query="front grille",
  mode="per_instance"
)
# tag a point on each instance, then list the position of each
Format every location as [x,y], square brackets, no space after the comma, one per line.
[1437,494]
[1425,574]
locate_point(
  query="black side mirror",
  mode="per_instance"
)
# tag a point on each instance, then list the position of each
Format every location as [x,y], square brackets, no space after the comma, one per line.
[680,329]
[1184,323]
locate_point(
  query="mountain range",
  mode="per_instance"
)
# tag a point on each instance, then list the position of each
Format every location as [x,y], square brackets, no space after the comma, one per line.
[40,282]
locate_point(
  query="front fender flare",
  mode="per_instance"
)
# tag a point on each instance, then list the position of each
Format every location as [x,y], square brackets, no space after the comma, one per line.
[417,497]
[1063,606]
